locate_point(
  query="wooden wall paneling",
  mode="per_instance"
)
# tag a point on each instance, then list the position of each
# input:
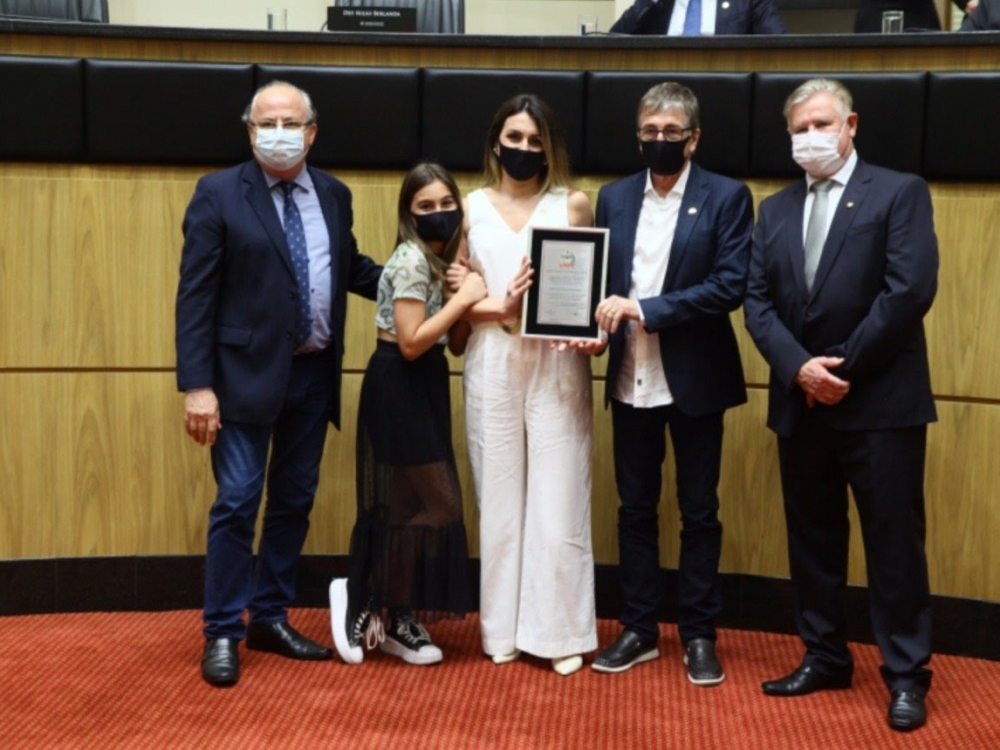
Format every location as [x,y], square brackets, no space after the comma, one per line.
[335,508]
[374,201]
[750,502]
[32,455]
[963,326]
[101,249]
[963,515]
[136,484]
[592,57]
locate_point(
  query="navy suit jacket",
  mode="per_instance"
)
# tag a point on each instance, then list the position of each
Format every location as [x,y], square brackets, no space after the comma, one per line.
[705,280]
[876,280]
[237,294]
[740,17]
[986,17]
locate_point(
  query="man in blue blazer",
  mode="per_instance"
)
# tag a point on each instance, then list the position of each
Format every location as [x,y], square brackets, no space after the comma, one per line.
[269,256]
[677,267]
[843,270]
[705,17]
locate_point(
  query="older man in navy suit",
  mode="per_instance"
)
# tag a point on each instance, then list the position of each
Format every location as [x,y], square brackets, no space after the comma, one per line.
[700,17]
[844,268]
[679,249]
[269,256]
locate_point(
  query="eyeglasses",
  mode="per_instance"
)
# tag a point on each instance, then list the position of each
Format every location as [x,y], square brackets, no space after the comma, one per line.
[293,125]
[670,133]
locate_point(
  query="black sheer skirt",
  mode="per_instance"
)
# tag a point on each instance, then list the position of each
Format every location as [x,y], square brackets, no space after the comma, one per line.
[408,547]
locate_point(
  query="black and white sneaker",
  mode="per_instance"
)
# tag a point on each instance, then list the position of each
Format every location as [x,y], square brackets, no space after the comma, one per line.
[407,639]
[352,633]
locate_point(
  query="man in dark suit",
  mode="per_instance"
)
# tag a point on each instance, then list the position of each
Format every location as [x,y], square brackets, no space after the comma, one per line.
[984,15]
[843,270]
[677,266]
[694,17]
[268,259]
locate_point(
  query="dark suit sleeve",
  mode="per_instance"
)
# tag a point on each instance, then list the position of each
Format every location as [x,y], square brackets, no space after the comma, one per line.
[911,256]
[634,20]
[776,343]
[198,290]
[600,215]
[765,19]
[723,289]
[977,19]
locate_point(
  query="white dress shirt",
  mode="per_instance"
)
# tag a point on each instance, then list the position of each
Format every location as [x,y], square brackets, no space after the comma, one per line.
[840,179]
[641,381]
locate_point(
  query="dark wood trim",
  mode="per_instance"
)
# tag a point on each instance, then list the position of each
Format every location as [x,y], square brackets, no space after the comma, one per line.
[963,627]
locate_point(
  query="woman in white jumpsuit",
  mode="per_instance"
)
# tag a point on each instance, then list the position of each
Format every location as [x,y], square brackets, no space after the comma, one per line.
[528,408]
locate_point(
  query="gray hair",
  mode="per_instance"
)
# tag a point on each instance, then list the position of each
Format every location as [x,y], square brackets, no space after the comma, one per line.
[670,95]
[841,96]
[306,99]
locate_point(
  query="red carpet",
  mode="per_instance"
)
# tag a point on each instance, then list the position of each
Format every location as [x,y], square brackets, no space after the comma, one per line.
[132,681]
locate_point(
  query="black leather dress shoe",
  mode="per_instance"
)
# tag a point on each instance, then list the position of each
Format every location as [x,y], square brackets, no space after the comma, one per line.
[220,663]
[282,638]
[702,663]
[625,653]
[808,679]
[906,711]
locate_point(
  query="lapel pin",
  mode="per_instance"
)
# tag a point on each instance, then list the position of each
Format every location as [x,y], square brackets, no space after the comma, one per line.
[692,211]
[725,6]
[850,204]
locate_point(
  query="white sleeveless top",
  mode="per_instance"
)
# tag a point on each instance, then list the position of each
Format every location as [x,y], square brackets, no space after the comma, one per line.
[495,250]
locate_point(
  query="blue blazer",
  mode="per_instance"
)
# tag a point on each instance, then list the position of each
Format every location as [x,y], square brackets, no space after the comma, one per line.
[876,280]
[705,281]
[739,17]
[237,293]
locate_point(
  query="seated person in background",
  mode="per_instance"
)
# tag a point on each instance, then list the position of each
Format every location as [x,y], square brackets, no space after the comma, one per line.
[966,6]
[917,14]
[983,16]
[694,17]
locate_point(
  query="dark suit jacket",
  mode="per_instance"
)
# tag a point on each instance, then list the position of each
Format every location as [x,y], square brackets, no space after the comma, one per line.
[705,281]
[237,294]
[875,282]
[741,17]
[986,17]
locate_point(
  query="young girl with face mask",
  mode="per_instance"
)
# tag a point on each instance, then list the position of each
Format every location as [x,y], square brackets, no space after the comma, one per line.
[409,555]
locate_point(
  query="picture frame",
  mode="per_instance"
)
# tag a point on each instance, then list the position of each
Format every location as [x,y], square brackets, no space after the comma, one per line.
[571,273]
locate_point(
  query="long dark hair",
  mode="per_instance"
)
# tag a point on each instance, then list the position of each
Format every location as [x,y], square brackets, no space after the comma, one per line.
[417,179]
[556,172]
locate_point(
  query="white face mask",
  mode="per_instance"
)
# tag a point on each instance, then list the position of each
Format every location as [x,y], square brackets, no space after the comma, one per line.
[818,153]
[279,148]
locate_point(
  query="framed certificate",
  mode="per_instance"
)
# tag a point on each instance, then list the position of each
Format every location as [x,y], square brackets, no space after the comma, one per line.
[571,271]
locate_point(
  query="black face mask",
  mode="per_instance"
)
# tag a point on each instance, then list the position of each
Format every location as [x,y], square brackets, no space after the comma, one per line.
[521,164]
[439,226]
[664,158]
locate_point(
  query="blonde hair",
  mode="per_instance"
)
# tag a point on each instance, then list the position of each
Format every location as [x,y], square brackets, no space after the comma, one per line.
[841,96]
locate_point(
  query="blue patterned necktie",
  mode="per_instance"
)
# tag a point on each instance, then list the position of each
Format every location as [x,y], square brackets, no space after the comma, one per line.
[692,20]
[295,234]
